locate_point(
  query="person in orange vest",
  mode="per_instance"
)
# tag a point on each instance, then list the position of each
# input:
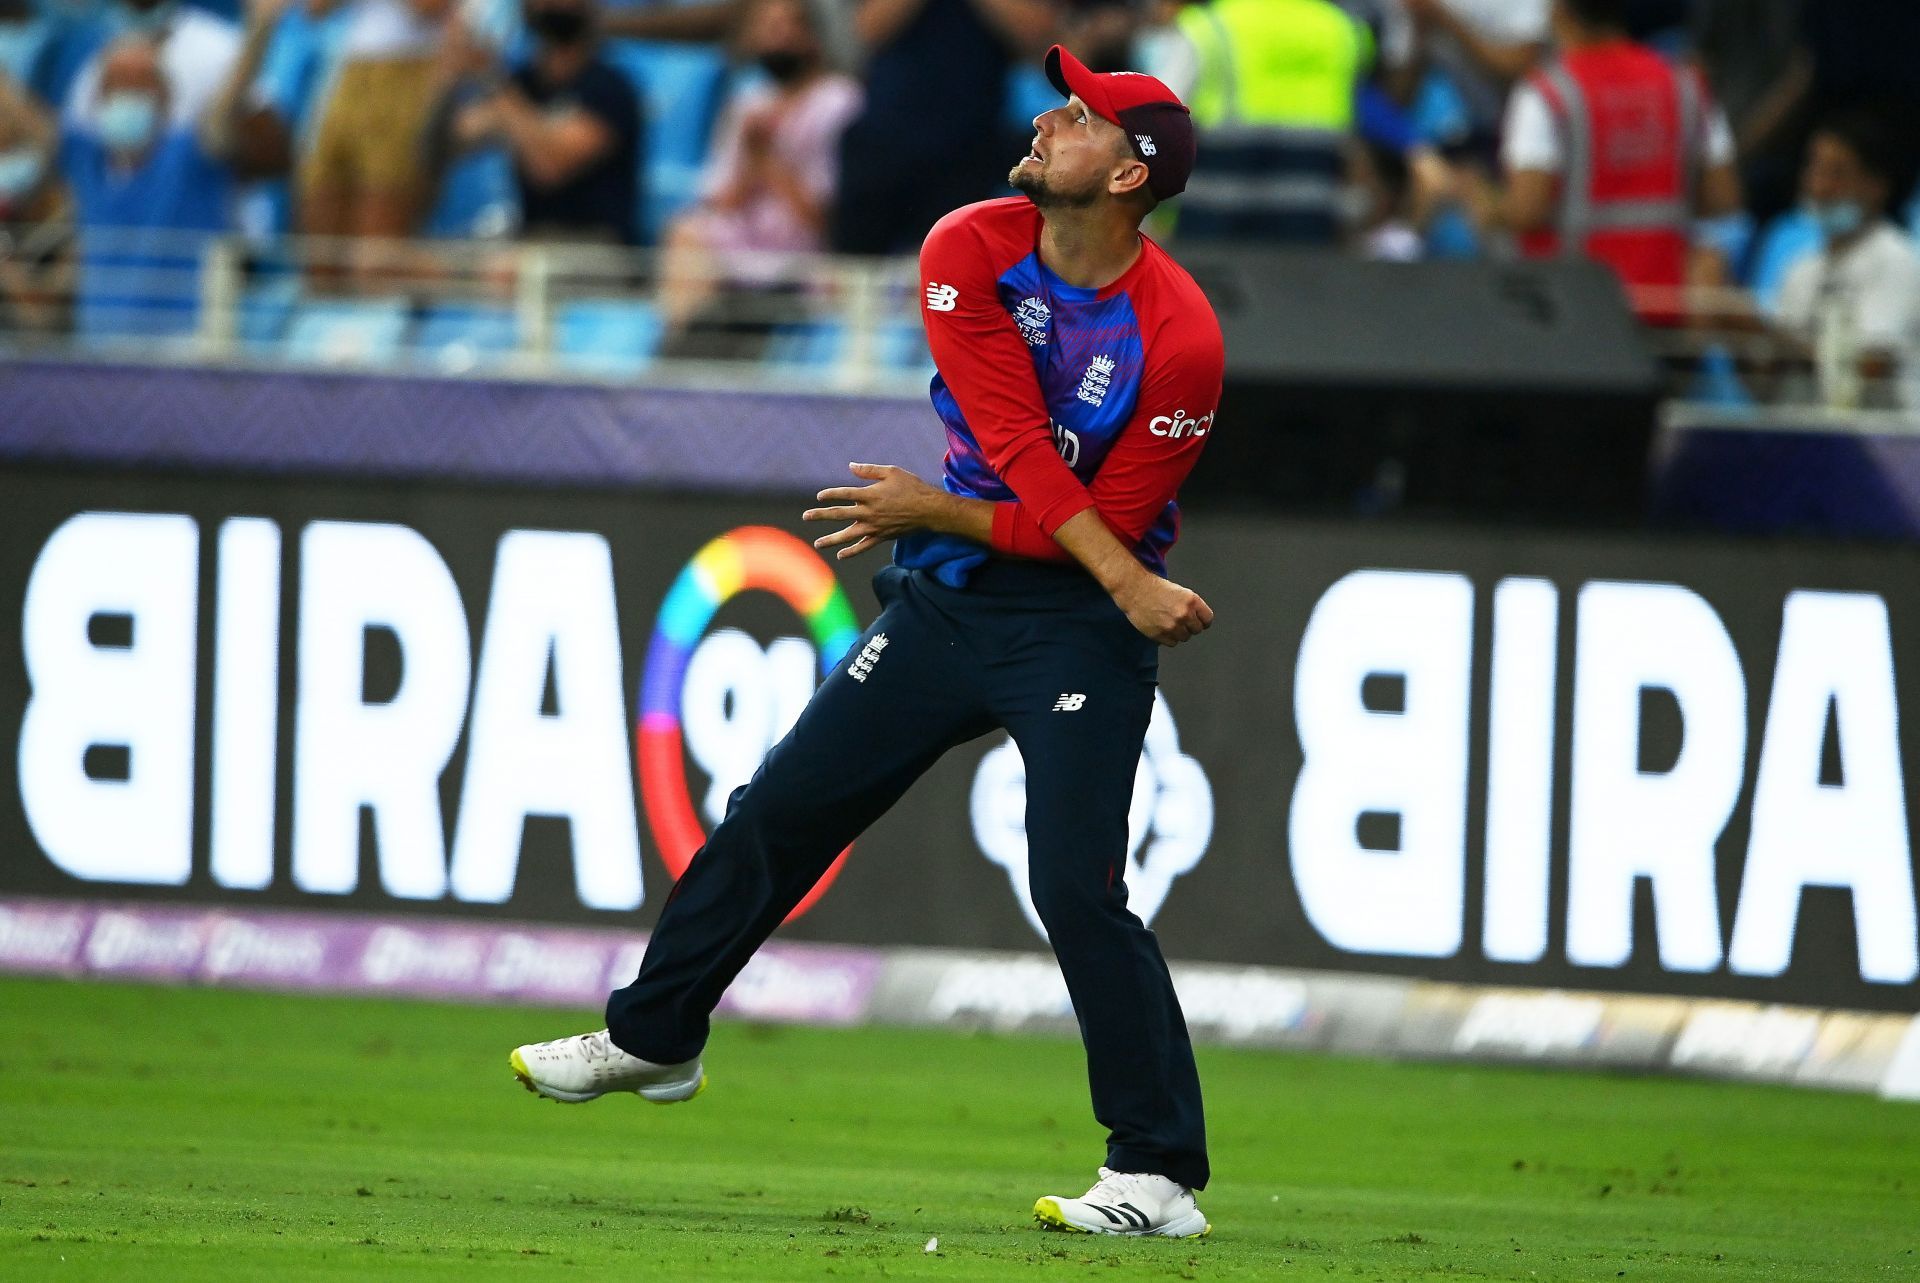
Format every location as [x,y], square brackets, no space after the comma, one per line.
[1611,152]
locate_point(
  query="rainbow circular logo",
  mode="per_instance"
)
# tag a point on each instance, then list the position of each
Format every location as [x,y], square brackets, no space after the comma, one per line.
[747,559]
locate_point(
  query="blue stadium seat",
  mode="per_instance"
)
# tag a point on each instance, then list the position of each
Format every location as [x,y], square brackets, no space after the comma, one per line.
[1452,235]
[1717,381]
[1731,235]
[457,335]
[1784,242]
[606,336]
[681,88]
[267,307]
[815,344]
[902,348]
[342,332]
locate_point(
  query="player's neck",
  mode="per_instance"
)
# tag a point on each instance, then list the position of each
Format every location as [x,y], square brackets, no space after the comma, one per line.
[1087,248]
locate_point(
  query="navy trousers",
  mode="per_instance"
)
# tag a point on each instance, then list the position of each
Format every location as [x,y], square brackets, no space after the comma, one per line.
[1043,652]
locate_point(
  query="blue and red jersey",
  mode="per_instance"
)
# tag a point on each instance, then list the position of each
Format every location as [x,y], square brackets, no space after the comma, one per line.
[1057,398]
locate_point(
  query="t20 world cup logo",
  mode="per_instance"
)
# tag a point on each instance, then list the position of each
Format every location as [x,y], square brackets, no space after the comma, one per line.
[720,698]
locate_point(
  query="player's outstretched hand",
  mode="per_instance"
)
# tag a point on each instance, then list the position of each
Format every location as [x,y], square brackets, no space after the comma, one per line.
[1164,611]
[896,503]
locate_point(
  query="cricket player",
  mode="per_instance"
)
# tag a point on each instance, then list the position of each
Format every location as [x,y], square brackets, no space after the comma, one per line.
[1079,371]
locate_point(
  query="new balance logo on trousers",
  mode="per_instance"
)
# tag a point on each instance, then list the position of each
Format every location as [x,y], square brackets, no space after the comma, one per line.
[1069,703]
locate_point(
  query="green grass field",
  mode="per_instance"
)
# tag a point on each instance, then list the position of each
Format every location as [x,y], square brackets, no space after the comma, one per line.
[187,1134]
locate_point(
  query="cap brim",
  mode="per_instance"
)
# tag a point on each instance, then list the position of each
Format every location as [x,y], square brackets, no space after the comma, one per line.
[1070,76]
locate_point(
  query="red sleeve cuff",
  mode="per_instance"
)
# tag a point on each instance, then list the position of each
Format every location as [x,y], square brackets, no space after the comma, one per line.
[1015,534]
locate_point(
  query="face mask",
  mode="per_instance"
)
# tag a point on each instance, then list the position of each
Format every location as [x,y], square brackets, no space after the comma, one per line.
[128,120]
[783,64]
[559,26]
[20,171]
[1837,219]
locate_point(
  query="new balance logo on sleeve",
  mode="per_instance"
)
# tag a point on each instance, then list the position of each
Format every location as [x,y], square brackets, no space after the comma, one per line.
[1069,703]
[869,656]
[940,298]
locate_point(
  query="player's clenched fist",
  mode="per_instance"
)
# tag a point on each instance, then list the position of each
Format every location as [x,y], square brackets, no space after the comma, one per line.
[1164,611]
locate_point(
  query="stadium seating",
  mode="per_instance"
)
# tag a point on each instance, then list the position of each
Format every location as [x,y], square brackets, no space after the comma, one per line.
[338,332]
[606,336]
[267,307]
[817,344]
[1784,242]
[681,87]
[455,336]
[477,198]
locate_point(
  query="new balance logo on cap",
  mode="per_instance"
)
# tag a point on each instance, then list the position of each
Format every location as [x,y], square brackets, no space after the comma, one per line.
[1158,125]
[940,298]
[1069,703]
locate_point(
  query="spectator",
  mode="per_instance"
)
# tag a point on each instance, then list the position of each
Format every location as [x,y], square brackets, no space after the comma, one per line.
[149,194]
[1272,85]
[1390,227]
[44,44]
[360,176]
[26,34]
[572,126]
[1611,152]
[1395,61]
[715,21]
[1481,48]
[770,183]
[36,268]
[1857,302]
[196,52]
[1755,61]
[1849,54]
[931,136]
[1101,33]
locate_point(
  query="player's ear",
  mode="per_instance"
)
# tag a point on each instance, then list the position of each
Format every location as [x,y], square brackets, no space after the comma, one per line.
[1127,177]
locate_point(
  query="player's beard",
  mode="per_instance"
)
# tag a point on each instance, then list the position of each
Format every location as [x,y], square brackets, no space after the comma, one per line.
[1046,194]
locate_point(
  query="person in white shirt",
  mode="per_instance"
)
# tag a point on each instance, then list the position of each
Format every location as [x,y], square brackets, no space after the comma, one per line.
[1857,301]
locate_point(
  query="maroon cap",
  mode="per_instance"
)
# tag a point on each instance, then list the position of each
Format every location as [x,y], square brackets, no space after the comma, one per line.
[1158,125]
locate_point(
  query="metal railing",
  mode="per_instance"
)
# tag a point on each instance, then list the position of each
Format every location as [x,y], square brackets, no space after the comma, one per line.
[476,309]
[485,309]
[1728,363]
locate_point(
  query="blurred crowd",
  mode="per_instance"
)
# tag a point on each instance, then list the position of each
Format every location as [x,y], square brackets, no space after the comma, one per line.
[1766,146]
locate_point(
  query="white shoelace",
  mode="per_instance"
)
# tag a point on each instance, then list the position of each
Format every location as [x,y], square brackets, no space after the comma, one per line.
[593,1046]
[598,1046]
[1115,1187]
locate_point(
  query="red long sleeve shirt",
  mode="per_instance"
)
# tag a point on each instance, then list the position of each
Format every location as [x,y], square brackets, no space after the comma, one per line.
[1058,398]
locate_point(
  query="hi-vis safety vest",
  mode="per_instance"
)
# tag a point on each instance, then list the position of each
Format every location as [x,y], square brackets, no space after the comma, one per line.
[1273,101]
[1631,132]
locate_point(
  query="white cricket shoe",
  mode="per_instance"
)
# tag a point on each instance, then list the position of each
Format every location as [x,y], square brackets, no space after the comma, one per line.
[1126,1203]
[589,1065]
